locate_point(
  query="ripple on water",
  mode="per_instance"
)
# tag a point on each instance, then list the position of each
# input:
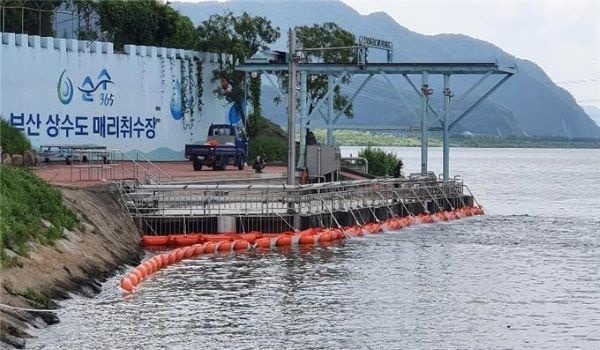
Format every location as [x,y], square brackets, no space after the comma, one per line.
[506,280]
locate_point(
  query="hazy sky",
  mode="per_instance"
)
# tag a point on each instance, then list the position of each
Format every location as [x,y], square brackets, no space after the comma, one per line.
[563,37]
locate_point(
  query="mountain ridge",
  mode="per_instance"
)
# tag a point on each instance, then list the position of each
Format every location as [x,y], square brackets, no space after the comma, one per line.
[527,104]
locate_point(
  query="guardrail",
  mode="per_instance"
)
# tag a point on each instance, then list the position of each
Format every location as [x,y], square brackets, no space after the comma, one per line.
[281,203]
[114,164]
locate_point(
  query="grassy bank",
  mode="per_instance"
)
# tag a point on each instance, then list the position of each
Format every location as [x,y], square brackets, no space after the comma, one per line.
[25,200]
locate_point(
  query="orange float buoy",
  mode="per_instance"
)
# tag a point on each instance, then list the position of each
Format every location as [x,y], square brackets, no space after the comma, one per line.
[173,257]
[154,241]
[126,285]
[225,247]
[139,274]
[188,252]
[154,264]
[179,254]
[166,259]
[324,238]
[133,278]
[147,268]
[210,247]
[284,241]
[250,237]
[198,249]
[306,239]
[263,243]
[241,244]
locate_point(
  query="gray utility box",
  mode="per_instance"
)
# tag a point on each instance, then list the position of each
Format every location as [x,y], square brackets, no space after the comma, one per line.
[322,159]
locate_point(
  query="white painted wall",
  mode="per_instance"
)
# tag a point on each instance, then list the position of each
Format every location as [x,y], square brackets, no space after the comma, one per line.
[133,110]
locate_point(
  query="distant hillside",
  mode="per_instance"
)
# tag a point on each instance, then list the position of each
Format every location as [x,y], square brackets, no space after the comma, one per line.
[593,112]
[528,104]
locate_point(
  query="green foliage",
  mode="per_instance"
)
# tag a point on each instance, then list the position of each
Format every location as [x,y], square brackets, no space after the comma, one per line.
[381,163]
[327,35]
[273,147]
[235,39]
[366,138]
[12,140]
[25,199]
[255,91]
[144,22]
[186,36]
[31,21]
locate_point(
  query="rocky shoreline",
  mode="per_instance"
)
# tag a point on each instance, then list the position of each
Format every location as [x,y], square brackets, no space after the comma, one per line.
[104,241]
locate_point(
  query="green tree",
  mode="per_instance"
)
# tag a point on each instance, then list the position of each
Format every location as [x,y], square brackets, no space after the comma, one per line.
[144,22]
[235,39]
[327,35]
[33,17]
[381,163]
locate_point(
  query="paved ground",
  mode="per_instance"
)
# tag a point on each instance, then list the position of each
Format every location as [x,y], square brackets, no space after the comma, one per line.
[89,176]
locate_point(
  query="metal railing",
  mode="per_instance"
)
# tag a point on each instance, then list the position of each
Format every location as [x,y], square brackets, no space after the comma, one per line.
[276,206]
[114,164]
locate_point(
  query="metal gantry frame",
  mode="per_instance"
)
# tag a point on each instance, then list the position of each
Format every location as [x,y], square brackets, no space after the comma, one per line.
[337,72]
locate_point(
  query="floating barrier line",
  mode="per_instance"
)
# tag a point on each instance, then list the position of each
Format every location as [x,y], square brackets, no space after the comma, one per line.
[193,245]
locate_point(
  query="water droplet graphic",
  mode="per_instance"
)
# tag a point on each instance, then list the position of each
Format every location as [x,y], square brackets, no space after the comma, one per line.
[64,88]
[176,107]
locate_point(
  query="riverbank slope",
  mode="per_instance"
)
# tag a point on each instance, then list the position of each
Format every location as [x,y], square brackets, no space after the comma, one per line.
[104,240]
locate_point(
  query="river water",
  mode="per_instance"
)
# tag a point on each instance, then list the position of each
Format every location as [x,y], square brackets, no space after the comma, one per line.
[526,275]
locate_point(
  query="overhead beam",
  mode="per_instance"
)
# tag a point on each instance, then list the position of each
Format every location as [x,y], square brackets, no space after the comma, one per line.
[354,95]
[330,90]
[416,114]
[429,106]
[389,68]
[463,97]
[465,113]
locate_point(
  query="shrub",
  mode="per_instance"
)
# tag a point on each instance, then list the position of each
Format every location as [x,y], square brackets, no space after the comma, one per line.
[381,163]
[12,140]
[273,147]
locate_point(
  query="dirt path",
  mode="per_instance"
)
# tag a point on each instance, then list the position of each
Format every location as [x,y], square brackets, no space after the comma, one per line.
[105,240]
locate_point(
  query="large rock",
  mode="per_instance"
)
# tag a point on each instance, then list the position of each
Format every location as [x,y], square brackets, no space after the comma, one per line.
[6,159]
[17,159]
[28,158]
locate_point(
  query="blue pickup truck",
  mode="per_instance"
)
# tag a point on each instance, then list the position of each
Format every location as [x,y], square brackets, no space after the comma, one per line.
[225,144]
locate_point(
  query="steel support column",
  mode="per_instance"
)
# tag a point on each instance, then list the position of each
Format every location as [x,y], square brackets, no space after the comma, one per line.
[303,119]
[330,98]
[424,97]
[446,138]
[291,169]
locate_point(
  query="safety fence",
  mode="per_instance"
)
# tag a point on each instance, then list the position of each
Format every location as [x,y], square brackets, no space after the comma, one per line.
[174,208]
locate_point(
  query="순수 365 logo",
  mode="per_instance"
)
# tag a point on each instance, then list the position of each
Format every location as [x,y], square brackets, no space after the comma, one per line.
[89,89]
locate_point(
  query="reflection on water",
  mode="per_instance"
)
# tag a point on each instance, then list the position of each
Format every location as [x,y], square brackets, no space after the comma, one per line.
[524,276]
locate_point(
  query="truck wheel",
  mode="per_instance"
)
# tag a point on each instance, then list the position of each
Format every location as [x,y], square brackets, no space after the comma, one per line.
[68,160]
[197,165]
[241,163]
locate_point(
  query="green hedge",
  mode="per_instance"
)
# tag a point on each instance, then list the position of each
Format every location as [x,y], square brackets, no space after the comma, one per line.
[273,147]
[12,140]
[381,163]
[25,199]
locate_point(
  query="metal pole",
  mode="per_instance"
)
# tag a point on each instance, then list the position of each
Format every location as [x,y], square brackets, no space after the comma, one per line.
[245,100]
[291,178]
[424,97]
[446,141]
[330,82]
[303,115]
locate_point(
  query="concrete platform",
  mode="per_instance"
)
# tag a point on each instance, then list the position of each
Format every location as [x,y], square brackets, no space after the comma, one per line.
[80,175]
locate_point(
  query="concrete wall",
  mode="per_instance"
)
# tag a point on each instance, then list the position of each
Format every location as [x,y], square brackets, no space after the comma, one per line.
[63,91]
